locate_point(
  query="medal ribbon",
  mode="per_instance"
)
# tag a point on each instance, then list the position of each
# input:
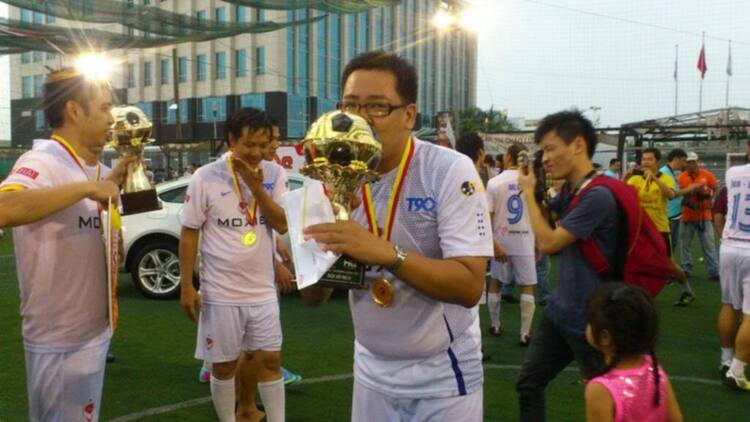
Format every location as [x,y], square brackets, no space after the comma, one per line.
[398,185]
[66,146]
[250,212]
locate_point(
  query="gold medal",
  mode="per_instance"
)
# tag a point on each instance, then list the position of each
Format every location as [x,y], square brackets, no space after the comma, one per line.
[382,292]
[249,239]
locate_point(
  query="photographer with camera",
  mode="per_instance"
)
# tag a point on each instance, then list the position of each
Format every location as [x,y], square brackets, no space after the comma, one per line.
[697,216]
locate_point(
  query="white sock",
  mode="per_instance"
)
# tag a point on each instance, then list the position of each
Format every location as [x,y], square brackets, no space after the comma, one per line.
[493,306]
[686,287]
[273,397]
[738,367]
[727,353]
[527,313]
[222,394]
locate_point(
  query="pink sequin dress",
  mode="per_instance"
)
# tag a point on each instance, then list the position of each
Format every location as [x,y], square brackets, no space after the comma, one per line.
[632,391]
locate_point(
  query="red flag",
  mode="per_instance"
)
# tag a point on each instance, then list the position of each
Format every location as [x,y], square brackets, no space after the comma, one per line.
[702,67]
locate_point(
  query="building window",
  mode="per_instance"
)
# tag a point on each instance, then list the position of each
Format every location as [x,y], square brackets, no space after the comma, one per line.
[378,30]
[147,108]
[221,14]
[27,87]
[182,69]
[303,60]
[41,123]
[169,114]
[291,57]
[388,29]
[37,56]
[51,56]
[363,33]
[220,66]
[38,86]
[38,18]
[164,71]
[146,2]
[335,57]
[260,15]
[351,36]
[146,73]
[131,75]
[26,17]
[211,109]
[260,61]
[201,17]
[50,13]
[26,57]
[253,100]
[322,58]
[240,13]
[240,63]
[200,67]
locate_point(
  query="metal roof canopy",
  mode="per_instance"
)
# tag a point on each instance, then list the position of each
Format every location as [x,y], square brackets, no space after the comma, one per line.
[716,125]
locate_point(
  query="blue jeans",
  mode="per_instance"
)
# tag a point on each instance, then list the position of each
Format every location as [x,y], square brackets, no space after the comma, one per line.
[542,280]
[705,230]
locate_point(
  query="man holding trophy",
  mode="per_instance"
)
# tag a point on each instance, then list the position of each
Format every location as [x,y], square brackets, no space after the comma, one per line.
[231,204]
[54,199]
[423,232]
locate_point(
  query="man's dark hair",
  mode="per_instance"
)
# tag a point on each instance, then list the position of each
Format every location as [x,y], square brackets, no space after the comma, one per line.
[62,86]
[469,145]
[489,160]
[250,118]
[514,150]
[676,153]
[613,161]
[406,75]
[568,125]
[651,150]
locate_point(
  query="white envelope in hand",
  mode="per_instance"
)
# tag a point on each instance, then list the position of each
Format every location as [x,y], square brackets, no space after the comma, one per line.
[306,207]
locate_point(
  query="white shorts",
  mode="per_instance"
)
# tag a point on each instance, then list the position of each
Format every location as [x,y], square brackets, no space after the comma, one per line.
[369,405]
[734,273]
[67,386]
[226,330]
[524,267]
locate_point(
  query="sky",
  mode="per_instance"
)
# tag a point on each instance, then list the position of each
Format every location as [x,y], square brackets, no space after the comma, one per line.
[541,56]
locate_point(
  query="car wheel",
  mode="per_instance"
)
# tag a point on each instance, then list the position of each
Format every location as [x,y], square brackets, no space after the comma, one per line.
[156,270]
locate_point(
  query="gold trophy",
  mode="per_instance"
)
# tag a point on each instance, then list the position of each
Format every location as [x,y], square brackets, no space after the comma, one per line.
[342,152]
[128,135]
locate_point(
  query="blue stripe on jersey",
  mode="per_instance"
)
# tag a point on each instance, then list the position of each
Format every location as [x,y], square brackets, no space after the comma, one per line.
[454,362]
[457,371]
[450,333]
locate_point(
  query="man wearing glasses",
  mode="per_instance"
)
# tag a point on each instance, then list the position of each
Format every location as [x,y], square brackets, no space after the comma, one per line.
[417,350]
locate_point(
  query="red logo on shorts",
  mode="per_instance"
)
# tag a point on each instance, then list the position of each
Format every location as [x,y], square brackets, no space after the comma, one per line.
[88,411]
[209,342]
[25,171]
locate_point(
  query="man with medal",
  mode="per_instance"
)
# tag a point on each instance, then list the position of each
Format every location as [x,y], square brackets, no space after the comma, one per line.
[54,198]
[231,204]
[423,231]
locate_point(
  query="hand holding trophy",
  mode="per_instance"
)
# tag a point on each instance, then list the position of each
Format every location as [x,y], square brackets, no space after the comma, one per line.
[128,136]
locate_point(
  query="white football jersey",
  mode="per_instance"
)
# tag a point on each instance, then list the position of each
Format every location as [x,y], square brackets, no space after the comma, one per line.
[232,273]
[510,220]
[60,259]
[442,213]
[737,226]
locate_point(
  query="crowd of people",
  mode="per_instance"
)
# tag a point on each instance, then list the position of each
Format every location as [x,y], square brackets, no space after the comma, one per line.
[417,351]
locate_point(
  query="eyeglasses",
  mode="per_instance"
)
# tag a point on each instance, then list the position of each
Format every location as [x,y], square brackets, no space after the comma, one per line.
[371,109]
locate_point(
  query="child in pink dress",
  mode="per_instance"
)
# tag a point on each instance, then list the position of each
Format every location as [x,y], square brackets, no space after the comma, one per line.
[622,324]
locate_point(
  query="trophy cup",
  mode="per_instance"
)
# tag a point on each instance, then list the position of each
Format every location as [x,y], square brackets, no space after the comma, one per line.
[128,136]
[342,152]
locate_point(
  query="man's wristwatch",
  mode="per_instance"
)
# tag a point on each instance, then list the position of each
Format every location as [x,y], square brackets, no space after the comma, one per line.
[400,258]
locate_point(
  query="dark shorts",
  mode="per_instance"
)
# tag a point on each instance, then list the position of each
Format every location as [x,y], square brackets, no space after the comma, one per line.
[668,242]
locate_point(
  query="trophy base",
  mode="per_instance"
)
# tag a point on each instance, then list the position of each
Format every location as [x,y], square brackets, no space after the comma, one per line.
[345,273]
[139,202]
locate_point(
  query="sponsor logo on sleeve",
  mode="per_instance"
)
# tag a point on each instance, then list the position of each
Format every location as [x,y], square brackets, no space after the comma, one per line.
[30,173]
[468,188]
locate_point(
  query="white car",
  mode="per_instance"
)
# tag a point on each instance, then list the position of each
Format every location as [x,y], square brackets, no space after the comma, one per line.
[151,241]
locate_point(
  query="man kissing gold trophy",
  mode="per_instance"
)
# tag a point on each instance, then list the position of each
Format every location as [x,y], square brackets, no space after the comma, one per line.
[342,152]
